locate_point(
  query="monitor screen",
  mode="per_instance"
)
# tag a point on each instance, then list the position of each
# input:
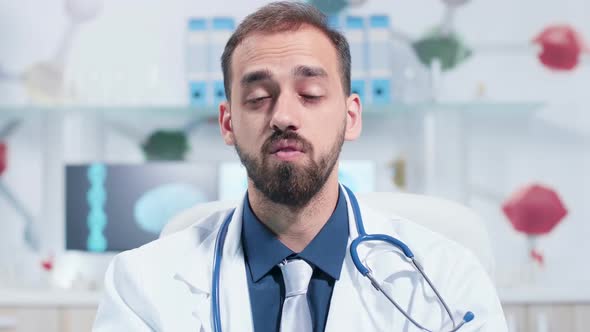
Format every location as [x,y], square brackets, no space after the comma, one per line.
[116,207]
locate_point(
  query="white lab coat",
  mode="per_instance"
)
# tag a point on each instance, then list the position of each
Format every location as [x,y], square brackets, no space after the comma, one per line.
[166,284]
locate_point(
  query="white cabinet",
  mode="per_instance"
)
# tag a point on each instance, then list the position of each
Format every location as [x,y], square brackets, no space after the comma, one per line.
[29,320]
[516,317]
[47,319]
[520,318]
[76,319]
[47,310]
[547,317]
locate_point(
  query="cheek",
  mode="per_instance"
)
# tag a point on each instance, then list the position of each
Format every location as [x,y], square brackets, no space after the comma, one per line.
[247,133]
[325,136]
[330,126]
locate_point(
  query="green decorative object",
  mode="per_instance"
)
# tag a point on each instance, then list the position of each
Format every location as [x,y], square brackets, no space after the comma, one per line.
[329,6]
[166,145]
[449,49]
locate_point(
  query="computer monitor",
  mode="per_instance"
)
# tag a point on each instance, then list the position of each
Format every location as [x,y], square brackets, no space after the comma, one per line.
[116,207]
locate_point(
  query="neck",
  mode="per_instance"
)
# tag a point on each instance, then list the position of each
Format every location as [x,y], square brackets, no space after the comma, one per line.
[296,227]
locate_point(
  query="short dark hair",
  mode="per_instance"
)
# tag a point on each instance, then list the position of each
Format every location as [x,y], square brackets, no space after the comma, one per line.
[285,16]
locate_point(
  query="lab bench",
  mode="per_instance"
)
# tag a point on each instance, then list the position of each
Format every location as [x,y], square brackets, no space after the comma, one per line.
[526,309]
[47,310]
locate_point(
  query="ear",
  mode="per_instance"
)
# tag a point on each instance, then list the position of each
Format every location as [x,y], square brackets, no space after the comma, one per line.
[225,124]
[354,120]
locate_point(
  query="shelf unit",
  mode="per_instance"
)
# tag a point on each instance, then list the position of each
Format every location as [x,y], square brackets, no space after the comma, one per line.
[527,309]
[385,110]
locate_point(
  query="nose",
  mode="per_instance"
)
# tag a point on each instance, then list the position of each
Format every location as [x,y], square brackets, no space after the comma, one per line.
[286,113]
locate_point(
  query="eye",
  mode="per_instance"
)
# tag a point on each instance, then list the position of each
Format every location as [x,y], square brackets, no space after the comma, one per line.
[311,98]
[256,102]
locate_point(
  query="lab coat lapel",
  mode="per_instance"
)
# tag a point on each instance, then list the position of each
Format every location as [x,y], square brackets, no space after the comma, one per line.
[194,272]
[350,293]
[356,305]
[235,300]
[352,307]
[236,314]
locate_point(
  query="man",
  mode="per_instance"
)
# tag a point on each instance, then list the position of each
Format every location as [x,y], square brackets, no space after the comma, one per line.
[284,262]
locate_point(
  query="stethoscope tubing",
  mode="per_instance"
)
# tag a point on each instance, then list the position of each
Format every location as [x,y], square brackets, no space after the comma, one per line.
[365,271]
[219,243]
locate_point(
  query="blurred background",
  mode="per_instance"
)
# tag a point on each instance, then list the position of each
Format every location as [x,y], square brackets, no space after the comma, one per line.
[108,129]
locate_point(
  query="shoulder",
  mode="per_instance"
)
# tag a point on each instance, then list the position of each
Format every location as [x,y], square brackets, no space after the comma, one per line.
[172,250]
[186,239]
[455,270]
[426,244]
[149,274]
[153,283]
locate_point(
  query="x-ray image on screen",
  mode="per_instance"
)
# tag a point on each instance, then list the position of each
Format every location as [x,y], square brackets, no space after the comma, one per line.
[116,207]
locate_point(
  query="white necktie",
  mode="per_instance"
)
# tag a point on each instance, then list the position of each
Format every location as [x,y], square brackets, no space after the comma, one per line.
[296,316]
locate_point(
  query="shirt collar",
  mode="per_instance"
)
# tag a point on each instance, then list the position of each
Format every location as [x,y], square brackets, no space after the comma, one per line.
[326,251]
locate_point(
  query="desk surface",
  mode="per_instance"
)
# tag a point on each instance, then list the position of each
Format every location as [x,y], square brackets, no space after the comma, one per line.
[48,298]
[81,298]
[542,295]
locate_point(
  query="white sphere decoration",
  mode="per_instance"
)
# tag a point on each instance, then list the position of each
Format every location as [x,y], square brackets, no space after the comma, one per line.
[83,10]
[455,3]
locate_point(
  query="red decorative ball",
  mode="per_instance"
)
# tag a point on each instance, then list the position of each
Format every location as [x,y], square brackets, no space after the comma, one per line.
[561,47]
[534,210]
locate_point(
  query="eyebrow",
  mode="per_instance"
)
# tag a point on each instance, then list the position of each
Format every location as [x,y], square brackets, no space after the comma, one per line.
[256,76]
[307,71]
[265,74]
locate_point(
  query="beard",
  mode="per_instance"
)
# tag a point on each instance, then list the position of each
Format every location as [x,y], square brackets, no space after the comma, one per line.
[287,183]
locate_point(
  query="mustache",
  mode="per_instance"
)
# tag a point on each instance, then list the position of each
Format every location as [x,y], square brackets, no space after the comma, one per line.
[282,135]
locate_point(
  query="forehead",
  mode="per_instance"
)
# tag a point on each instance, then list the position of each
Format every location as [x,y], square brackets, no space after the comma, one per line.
[280,52]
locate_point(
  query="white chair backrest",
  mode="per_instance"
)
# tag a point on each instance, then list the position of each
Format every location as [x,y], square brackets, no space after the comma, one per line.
[452,220]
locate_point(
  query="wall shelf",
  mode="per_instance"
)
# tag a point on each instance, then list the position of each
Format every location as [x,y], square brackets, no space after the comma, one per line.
[479,107]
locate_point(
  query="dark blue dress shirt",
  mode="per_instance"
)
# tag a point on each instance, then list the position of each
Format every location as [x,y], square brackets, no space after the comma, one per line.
[263,252]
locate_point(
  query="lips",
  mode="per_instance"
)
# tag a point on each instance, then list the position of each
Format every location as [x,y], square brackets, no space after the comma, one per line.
[286,145]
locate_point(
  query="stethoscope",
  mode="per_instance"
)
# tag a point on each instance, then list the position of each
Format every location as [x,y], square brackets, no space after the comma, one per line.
[363,237]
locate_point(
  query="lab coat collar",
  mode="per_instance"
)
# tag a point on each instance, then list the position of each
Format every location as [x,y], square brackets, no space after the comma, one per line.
[235,298]
[352,288]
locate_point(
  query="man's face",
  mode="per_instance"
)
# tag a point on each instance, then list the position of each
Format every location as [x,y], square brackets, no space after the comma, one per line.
[288,115]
